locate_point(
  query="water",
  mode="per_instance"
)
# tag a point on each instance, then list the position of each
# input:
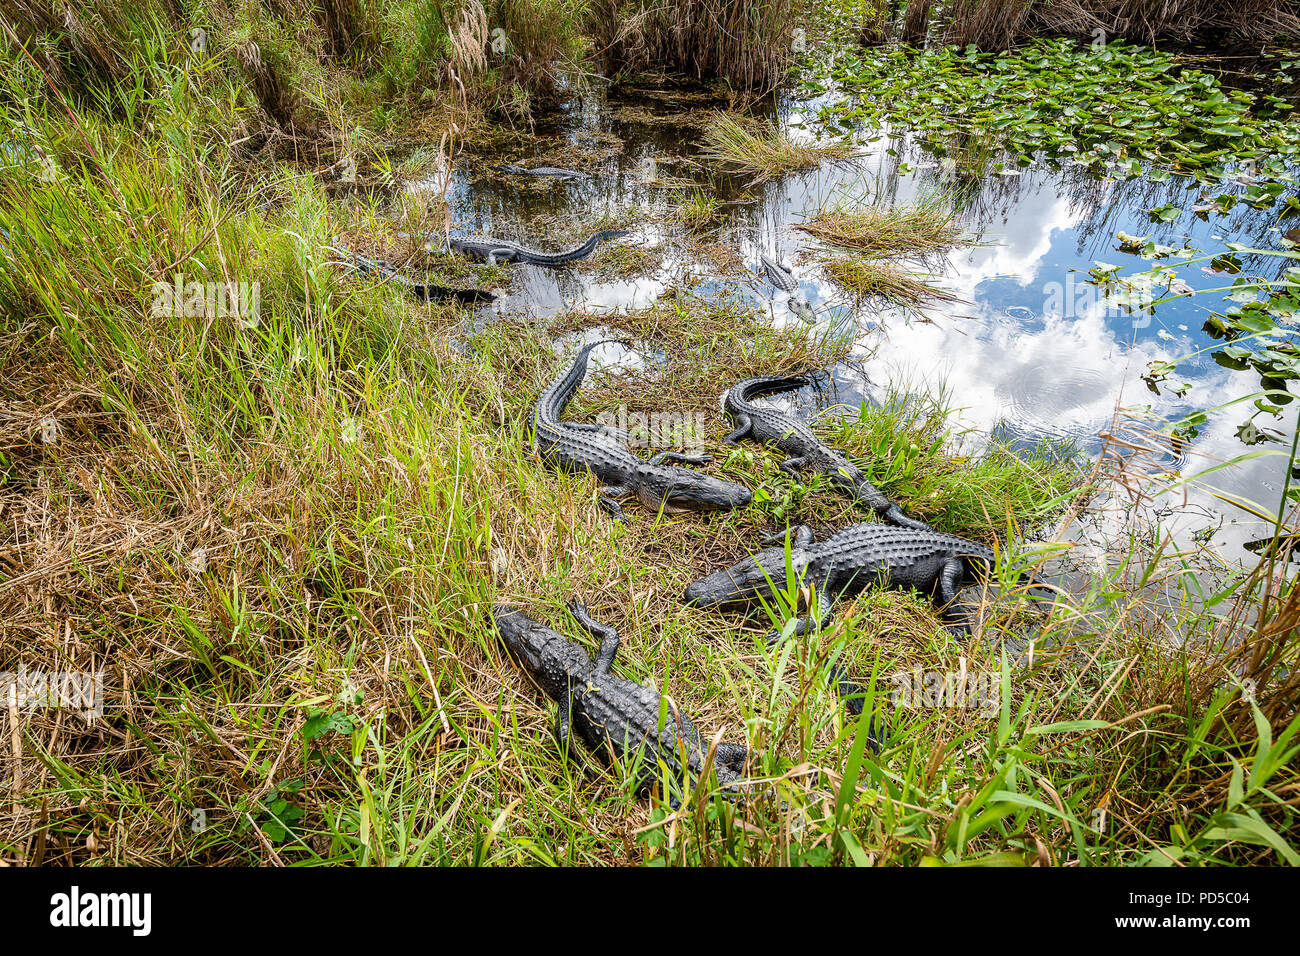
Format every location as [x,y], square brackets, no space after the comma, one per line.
[1024,353]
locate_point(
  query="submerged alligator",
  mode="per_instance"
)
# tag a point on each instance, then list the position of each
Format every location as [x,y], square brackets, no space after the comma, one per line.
[782,276]
[770,426]
[853,559]
[551,171]
[427,291]
[578,447]
[493,250]
[608,712]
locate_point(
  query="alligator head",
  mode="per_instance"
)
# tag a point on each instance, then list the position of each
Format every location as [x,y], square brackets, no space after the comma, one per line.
[551,660]
[752,578]
[681,489]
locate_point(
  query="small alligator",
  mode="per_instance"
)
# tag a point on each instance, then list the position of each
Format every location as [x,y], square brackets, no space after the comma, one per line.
[853,559]
[551,171]
[427,291]
[493,250]
[612,716]
[782,276]
[770,426]
[601,450]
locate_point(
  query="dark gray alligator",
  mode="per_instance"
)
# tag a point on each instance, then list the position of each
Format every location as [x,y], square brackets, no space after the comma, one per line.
[771,426]
[853,559]
[611,715]
[493,250]
[782,276]
[601,450]
[427,291]
[551,171]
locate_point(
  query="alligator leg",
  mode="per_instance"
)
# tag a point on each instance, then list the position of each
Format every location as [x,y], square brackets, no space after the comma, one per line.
[957,616]
[791,467]
[679,458]
[607,496]
[608,636]
[803,624]
[801,538]
[562,736]
[743,424]
[504,254]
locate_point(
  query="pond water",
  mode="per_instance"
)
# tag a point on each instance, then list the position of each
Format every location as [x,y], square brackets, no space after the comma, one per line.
[1026,352]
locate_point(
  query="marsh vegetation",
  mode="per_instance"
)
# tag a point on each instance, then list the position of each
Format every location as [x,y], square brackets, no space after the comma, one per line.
[277,532]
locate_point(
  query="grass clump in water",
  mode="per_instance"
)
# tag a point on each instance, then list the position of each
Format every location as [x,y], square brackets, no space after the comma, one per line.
[878,277]
[929,225]
[763,150]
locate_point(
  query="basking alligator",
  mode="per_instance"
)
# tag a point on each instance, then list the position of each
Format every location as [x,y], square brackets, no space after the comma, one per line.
[577,447]
[770,426]
[493,250]
[422,290]
[782,276]
[551,171]
[608,712]
[850,561]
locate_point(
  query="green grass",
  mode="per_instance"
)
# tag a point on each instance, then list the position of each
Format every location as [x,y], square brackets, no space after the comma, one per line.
[280,539]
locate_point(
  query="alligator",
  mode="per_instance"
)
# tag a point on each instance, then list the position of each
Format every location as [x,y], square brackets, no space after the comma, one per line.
[550,171]
[770,426]
[427,291]
[493,250]
[601,450]
[782,276]
[850,561]
[614,717]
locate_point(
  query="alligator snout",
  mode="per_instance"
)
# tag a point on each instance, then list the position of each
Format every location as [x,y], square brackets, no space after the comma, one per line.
[717,589]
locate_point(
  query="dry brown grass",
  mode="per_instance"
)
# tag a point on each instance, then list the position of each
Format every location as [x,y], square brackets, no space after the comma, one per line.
[762,150]
[881,278]
[924,227]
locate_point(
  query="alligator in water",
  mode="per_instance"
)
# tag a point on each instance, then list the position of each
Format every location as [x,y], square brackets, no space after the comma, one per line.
[850,561]
[551,171]
[770,426]
[599,449]
[493,250]
[612,716]
[427,291]
[782,276]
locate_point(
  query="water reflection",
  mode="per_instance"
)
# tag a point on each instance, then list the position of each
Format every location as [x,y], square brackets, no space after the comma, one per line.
[1024,353]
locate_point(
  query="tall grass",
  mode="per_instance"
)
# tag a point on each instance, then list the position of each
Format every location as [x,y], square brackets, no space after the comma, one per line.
[747,43]
[1000,24]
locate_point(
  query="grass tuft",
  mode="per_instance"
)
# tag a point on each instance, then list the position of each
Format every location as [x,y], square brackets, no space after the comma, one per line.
[929,225]
[760,149]
[864,276]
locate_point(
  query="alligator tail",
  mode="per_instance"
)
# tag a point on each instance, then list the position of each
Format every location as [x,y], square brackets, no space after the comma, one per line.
[773,384]
[561,391]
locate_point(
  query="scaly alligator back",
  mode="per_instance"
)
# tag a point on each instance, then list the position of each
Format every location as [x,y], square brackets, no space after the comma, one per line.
[612,716]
